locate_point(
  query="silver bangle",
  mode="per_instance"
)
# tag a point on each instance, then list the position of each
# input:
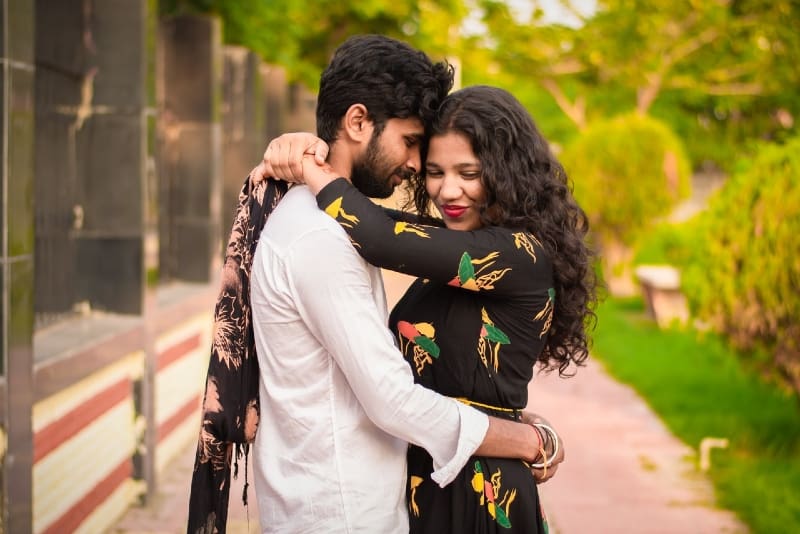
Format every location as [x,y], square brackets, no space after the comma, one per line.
[556,446]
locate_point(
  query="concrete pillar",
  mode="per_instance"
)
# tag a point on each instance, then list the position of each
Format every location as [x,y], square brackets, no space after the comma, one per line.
[275,91]
[243,118]
[90,155]
[302,109]
[190,172]
[16,262]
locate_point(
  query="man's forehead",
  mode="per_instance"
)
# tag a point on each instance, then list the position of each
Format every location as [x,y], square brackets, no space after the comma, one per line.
[408,126]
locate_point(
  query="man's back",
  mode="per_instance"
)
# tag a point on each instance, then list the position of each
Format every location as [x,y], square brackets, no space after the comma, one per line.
[321,464]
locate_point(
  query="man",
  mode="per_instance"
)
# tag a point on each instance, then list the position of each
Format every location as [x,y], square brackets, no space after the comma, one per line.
[338,401]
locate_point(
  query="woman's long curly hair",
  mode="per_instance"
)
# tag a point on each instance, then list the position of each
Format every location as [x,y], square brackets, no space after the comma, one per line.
[526,187]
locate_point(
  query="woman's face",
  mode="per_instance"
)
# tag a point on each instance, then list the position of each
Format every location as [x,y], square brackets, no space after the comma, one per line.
[453,181]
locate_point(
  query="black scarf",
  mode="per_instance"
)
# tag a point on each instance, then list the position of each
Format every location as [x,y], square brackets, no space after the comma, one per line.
[230,404]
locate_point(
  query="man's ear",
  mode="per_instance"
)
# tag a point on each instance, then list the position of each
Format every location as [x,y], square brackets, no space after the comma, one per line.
[357,125]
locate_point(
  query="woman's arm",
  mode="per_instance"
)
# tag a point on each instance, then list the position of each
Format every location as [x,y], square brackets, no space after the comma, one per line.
[409,217]
[489,259]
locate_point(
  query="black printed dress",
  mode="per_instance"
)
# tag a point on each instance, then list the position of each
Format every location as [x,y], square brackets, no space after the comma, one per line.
[471,327]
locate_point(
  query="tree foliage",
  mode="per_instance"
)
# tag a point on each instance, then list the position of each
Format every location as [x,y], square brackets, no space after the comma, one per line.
[721,72]
[302,34]
[727,68]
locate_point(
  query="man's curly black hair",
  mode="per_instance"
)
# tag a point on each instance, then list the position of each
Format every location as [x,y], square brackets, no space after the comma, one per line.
[389,77]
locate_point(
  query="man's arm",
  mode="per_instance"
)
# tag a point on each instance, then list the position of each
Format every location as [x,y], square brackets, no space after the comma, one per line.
[284,159]
[331,285]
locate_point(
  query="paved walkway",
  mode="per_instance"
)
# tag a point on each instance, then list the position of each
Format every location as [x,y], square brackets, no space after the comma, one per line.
[624,472]
[167,512]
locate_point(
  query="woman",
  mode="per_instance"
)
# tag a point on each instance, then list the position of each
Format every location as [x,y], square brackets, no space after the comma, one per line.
[506,285]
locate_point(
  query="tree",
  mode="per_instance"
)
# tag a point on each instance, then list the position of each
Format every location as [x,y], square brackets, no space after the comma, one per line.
[636,50]
[631,170]
[301,35]
[551,55]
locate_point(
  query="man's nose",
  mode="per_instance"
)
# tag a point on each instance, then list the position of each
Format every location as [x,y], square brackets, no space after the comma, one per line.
[414,162]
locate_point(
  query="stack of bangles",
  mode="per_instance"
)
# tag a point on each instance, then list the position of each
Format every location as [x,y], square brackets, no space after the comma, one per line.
[546,436]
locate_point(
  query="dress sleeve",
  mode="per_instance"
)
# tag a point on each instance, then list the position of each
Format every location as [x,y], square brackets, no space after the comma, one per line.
[409,217]
[499,260]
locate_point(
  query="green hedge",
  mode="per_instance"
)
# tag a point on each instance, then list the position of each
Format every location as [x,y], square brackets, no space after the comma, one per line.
[627,171]
[743,274]
[666,243]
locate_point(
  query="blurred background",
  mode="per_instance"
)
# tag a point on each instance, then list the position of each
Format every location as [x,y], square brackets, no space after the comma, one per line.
[128,127]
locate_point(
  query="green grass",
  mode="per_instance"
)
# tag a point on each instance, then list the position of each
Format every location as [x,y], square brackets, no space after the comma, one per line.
[700,388]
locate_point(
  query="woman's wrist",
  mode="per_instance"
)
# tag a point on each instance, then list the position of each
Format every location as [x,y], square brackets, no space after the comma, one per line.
[549,445]
[536,445]
[316,176]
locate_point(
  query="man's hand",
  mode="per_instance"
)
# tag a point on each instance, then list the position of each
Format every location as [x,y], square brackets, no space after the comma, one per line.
[540,474]
[283,158]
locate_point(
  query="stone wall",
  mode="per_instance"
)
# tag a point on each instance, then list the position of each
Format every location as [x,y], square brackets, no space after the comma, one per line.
[90,154]
[17,138]
[189,94]
[125,142]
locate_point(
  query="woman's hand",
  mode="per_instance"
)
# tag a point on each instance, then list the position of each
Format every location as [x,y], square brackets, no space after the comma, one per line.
[542,475]
[283,158]
[316,176]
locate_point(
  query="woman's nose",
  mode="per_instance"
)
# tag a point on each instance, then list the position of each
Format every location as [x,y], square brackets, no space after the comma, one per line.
[450,187]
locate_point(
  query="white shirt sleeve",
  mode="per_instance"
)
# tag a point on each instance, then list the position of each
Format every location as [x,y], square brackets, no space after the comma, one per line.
[331,286]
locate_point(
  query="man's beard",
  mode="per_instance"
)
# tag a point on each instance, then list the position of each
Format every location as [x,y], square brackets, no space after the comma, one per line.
[373,177]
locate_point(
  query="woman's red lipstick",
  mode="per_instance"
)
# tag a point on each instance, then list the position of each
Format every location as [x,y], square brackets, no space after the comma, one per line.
[454,212]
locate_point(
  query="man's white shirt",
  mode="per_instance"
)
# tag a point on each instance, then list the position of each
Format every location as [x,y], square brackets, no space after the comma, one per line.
[338,401]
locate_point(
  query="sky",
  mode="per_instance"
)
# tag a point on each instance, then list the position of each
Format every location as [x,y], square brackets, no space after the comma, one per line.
[554,11]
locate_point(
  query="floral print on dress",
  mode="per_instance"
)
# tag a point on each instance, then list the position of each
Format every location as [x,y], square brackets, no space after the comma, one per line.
[334,209]
[421,336]
[476,280]
[406,227]
[546,313]
[413,483]
[526,241]
[489,342]
[489,490]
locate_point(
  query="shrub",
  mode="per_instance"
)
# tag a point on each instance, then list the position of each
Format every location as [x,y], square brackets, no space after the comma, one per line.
[627,171]
[667,243]
[744,273]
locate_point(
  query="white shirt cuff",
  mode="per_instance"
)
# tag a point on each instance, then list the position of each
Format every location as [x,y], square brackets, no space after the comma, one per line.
[472,431]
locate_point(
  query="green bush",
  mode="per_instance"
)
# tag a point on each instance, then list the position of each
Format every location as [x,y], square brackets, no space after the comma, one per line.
[744,273]
[627,172]
[667,243]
